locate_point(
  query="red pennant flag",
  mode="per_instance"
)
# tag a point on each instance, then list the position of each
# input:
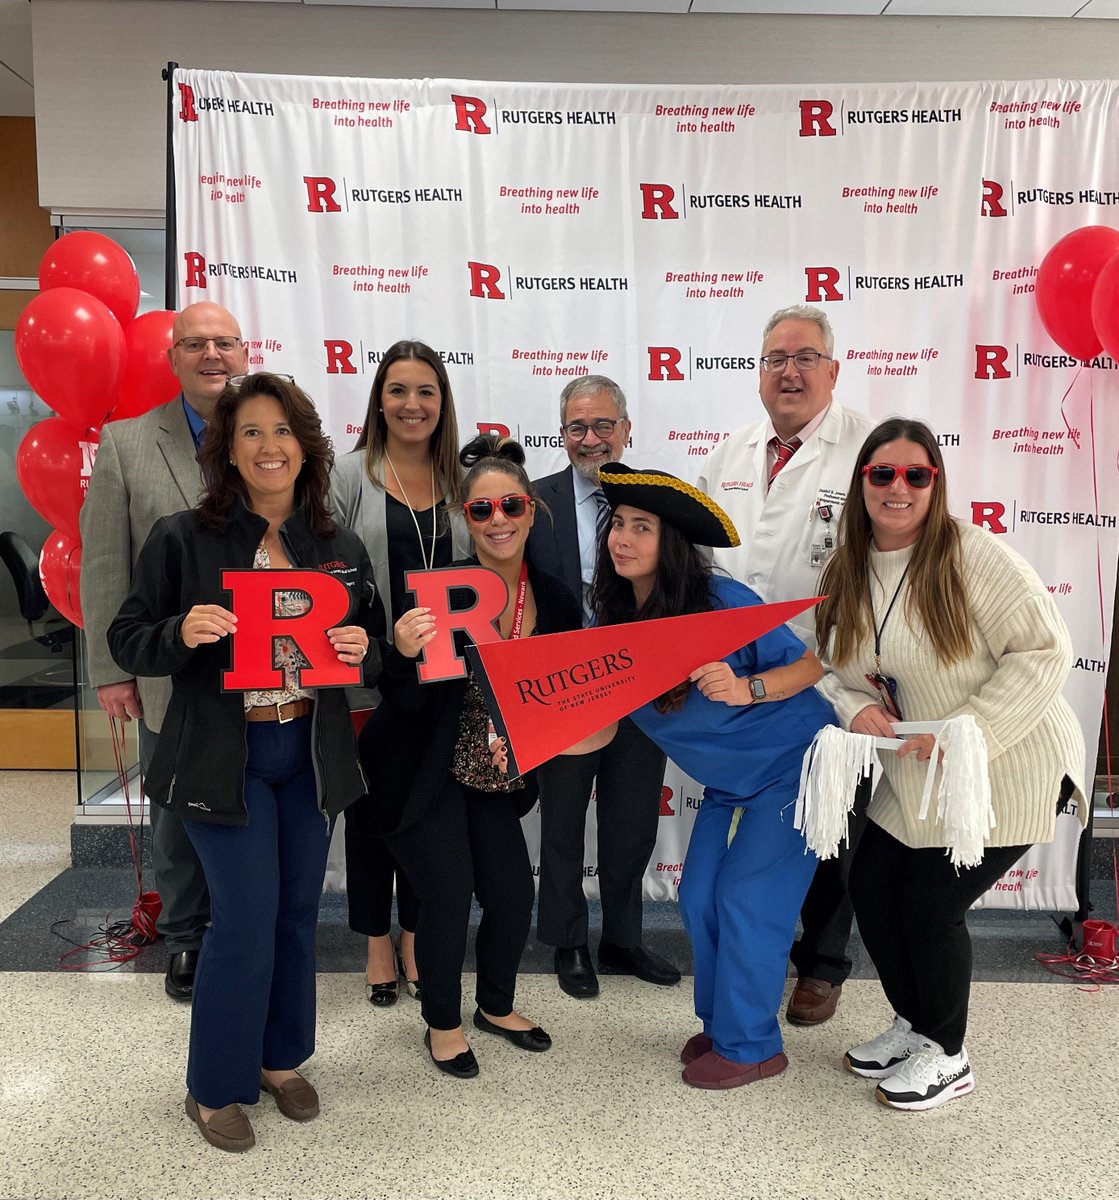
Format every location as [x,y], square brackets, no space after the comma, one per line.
[547,693]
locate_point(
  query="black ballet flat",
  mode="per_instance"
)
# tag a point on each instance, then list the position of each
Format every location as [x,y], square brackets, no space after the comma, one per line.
[524,1039]
[383,995]
[462,1066]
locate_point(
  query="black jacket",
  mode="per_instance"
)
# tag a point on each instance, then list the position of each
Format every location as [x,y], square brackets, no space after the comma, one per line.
[198,769]
[407,745]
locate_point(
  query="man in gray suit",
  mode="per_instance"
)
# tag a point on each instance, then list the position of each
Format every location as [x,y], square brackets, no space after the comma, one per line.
[629,772]
[146,469]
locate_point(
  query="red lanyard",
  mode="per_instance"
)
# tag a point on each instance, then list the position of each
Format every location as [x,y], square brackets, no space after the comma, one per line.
[519,608]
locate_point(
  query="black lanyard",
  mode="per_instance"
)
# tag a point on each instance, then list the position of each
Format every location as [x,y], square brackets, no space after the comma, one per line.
[878,628]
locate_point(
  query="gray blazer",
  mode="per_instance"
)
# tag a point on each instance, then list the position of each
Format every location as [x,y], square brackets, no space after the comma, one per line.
[359,504]
[145,469]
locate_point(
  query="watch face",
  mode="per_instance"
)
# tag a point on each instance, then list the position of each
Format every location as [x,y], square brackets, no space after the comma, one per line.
[757,689]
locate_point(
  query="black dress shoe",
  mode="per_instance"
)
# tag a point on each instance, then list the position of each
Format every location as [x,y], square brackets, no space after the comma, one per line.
[526,1039]
[178,983]
[575,972]
[462,1066]
[617,960]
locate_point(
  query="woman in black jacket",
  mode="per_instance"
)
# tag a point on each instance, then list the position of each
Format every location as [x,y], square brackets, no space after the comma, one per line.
[258,775]
[451,815]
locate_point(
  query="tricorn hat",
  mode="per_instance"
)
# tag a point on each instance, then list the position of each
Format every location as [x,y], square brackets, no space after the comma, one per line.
[694,514]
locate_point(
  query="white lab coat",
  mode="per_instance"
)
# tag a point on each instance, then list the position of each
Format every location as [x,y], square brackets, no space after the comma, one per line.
[786,538]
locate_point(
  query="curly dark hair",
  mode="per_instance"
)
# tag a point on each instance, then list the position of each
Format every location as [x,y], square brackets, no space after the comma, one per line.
[682,586]
[223,483]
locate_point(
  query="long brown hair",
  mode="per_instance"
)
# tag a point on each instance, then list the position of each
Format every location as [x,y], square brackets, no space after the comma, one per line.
[444,441]
[223,483]
[937,594]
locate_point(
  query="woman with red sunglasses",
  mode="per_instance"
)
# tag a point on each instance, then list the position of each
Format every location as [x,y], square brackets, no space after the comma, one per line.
[450,812]
[933,618]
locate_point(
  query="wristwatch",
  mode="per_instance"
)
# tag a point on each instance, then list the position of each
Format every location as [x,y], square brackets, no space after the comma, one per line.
[757,688]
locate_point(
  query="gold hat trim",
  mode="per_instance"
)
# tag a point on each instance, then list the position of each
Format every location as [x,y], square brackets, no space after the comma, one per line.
[678,485]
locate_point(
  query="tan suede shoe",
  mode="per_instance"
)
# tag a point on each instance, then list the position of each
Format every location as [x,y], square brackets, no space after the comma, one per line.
[228,1128]
[295,1098]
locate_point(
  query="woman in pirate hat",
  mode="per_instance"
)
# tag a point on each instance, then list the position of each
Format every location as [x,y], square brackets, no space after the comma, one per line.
[741,727]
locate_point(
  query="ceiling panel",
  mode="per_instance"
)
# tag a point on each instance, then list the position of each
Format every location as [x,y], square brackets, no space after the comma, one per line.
[836,8]
[1100,8]
[17,97]
[408,3]
[649,6]
[15,38]
[983,8]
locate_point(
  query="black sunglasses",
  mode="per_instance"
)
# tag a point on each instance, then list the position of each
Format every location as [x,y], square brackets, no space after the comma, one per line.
[889,690]
[481,511]
[883,474]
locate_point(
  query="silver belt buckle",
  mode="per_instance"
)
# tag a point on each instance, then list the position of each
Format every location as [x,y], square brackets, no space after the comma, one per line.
[280,716]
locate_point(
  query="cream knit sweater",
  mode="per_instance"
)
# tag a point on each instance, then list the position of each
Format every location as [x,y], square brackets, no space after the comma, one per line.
[1011,684]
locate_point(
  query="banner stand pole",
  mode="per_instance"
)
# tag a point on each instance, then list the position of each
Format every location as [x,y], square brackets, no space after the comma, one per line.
[170,292]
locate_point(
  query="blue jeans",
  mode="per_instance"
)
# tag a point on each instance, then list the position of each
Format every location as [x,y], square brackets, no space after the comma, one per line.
[254,990]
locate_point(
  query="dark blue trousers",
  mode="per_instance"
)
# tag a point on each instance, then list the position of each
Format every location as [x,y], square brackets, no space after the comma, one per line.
[254,990]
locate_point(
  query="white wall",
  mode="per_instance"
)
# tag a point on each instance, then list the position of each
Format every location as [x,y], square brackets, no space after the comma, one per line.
[100,101]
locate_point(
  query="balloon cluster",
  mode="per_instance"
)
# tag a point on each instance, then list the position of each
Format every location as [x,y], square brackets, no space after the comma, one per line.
[1077,292]
[91,359]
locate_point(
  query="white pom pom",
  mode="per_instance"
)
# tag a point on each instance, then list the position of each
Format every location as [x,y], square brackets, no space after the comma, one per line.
[829,777]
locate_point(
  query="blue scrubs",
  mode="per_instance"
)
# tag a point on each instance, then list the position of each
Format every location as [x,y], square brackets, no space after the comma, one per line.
[740,901]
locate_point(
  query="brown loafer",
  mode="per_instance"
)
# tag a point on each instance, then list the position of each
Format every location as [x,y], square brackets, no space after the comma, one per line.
[813,1001]
[714,1072]
[695,1047]
[228,1128]
[295,1098]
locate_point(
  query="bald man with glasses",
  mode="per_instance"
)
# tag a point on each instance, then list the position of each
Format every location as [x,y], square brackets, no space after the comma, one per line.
[783,481]
[146,469]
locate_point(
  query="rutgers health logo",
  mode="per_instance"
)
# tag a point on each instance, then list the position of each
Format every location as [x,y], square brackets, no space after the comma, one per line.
[323,193]
[1003,200]
[474,115]
[199,271]
[191,104]
[343,357]
[818,117]
[664,202]
[667,363]
[487,282]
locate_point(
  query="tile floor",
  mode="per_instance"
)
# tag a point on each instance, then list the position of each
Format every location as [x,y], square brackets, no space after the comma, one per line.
[91,1092]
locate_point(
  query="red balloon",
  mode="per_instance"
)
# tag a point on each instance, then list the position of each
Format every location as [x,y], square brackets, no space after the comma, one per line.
[71,348]
[60,569]
[53,465]
[1105,306]
[93,263]
[1065,281]
[148,378]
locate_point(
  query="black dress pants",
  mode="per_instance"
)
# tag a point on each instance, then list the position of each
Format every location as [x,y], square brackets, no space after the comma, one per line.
[912,910]
[469,844]
[371,870]
[630,774]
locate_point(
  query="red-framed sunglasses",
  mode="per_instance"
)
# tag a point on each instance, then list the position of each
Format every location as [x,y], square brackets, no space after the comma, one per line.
[881,475]
[480,511]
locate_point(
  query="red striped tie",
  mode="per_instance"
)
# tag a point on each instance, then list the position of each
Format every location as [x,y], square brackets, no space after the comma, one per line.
[784,451]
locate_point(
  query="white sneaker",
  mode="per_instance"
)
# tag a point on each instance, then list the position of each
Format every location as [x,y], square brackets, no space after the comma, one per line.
[882,1056]
[927,1079]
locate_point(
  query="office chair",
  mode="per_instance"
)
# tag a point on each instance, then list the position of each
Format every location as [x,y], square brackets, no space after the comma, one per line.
[23,565]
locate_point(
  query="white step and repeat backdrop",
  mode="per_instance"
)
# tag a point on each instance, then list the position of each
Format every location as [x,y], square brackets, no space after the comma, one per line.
[533,233]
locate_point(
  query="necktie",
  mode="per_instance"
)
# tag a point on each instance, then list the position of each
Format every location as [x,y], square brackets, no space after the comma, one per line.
[784,451]
[602,517]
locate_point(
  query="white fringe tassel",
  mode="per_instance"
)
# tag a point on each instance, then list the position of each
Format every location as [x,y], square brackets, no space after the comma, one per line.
[829,775]
[963,803]
[836,761]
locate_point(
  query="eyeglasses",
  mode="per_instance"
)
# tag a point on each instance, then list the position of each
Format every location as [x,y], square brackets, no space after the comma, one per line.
[603,428]
[195,345]
[237,380]
[881,475]
[480,511]
[888,688]
[806,360]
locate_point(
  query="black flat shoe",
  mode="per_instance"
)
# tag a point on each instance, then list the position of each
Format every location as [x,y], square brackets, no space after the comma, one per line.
[525,1039]
[637,961]
[383,995]
[462,1066]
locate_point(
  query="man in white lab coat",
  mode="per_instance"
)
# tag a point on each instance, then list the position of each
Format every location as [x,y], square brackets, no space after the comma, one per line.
[784,481]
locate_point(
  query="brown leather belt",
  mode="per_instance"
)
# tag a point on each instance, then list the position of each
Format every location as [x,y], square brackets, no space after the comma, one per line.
[280,712]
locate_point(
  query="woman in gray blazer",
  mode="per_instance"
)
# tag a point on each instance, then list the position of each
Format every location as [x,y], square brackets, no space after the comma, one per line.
[392,490]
